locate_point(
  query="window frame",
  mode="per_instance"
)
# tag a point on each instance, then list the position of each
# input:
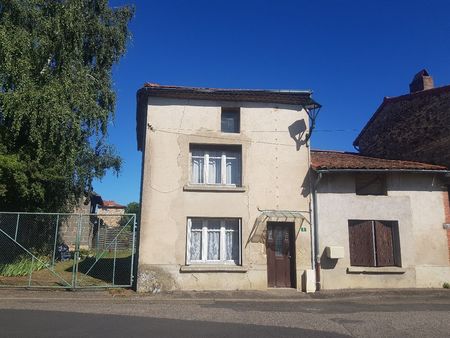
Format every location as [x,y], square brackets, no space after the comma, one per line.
[223,149]
[204,246]
[236,111]
[374,251]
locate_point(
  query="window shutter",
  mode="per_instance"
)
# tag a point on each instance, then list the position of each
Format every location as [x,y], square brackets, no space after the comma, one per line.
[384,244]
[361,243]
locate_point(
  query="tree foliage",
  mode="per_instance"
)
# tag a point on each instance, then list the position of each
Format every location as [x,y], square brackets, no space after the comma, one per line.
[56,98]
[133,208]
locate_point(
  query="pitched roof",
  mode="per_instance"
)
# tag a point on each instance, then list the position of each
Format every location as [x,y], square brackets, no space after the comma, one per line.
[388,101]
[292,97]
[113,205]
[335,160]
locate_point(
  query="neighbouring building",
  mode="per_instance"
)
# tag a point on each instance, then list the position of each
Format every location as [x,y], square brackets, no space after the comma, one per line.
[110,213]
[379,223]
[222,179]
[414,127]
[69,227]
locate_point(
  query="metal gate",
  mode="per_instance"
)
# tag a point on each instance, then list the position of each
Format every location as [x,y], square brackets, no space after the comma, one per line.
[71,251]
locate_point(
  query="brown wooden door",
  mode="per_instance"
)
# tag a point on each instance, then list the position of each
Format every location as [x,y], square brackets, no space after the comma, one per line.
[280,255]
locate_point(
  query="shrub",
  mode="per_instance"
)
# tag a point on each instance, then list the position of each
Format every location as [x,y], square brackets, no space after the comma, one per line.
[446,285]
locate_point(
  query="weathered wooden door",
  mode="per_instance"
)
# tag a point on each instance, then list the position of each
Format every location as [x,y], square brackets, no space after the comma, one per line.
[280,255]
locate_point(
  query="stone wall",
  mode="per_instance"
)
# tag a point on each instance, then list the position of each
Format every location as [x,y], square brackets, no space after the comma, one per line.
[413,127]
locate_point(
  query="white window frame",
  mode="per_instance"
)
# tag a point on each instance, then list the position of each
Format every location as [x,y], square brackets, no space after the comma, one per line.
[223,168]
[204,249]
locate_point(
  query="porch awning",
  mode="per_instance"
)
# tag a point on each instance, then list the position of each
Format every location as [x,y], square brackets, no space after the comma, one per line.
[258,233]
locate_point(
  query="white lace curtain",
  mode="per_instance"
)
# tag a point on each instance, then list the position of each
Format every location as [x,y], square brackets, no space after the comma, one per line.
[206,235]
[216,161]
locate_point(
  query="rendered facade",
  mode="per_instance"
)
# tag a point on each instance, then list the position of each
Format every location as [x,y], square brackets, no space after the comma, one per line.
[221,202]
[388,230]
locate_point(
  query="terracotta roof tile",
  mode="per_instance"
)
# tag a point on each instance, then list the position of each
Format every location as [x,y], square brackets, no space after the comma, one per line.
[324,159]
[112,204]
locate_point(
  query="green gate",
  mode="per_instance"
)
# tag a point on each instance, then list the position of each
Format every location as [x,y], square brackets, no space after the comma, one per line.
[70,251]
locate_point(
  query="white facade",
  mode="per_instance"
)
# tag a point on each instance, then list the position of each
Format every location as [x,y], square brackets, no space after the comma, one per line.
[415,201]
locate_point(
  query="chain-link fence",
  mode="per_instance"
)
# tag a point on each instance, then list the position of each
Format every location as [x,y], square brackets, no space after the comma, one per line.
[67,250]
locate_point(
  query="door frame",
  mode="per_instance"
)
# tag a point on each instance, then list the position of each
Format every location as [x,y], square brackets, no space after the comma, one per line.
[292,253]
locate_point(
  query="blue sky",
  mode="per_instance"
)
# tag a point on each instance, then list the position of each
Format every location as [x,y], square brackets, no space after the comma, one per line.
[350,53]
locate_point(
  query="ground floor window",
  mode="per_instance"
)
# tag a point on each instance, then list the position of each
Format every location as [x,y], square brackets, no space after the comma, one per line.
[214,240]
[374,243]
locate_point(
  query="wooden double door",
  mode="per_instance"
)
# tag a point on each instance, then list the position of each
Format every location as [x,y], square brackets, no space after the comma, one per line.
[280,250]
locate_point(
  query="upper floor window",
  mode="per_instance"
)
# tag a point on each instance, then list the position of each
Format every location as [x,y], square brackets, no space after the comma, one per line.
[230,120]
[370,184]
[220,165]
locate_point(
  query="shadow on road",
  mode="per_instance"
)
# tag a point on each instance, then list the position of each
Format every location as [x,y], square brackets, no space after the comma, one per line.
[67,324]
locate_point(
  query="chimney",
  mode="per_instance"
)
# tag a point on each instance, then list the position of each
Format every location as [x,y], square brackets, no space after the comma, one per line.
[422,81]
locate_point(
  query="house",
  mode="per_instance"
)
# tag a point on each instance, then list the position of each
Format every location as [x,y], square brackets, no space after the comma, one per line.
[414,127]
[379,223]
[69,227]
[110,213]
[221,201]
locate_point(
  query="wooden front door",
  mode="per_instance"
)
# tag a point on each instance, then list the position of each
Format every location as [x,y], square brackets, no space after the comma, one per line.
[280,255]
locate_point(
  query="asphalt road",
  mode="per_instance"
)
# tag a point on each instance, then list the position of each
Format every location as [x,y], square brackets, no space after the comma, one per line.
[26,323]
[53,314]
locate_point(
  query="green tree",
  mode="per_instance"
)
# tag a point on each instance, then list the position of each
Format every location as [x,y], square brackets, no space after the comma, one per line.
[56,98]
[133,208]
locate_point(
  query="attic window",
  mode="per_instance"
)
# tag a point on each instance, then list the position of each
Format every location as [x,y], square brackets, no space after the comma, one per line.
[370,184]
[230,120]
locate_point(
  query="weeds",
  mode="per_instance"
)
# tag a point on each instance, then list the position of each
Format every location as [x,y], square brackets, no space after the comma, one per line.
[22,266]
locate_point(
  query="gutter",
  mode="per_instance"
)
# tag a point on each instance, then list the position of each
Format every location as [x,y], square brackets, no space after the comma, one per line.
[316,232]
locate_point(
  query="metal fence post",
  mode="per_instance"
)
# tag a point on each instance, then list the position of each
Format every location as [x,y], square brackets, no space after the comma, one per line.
[114,266]
[31,271]
[55,242]
[17,227]
[76,254]
[133,250]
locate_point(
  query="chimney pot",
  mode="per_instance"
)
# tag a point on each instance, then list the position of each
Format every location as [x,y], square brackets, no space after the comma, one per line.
[421,81]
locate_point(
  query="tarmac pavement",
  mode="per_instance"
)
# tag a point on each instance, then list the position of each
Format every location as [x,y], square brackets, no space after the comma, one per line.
[275,313]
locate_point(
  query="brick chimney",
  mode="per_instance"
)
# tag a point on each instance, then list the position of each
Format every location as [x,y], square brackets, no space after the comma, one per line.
[422,81]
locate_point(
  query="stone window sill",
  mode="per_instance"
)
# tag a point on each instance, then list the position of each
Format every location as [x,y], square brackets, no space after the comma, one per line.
[212,268]
[211,187]
[374,270]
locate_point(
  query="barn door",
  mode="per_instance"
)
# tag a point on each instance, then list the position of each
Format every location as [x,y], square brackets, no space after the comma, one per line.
[280,255]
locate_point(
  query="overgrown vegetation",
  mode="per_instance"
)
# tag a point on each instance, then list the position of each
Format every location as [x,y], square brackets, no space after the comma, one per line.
[22,266]
[56,99]
[132,208]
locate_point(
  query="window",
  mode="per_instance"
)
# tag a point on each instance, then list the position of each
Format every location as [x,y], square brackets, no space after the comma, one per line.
[374,243]
[230,120]
[214,240]
[370,184]
[220,165]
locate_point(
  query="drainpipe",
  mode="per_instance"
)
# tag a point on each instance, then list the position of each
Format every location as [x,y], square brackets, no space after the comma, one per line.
[316,231]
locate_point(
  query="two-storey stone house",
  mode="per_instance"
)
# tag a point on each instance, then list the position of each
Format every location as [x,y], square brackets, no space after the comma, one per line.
[223,172]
